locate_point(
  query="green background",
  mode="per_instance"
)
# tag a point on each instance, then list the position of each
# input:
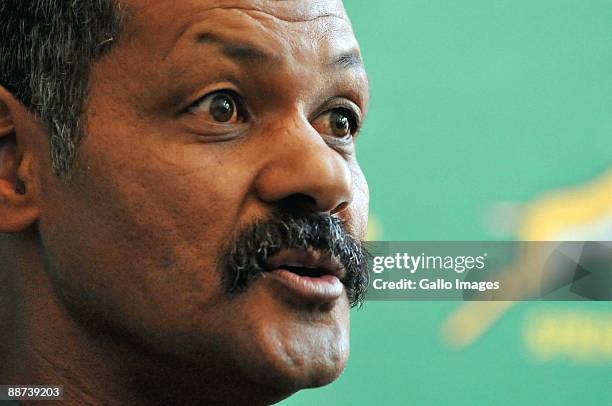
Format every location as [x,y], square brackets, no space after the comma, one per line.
[474,103]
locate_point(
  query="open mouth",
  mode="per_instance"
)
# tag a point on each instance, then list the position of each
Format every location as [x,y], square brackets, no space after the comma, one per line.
[313,275]
[305,271]
[307,263]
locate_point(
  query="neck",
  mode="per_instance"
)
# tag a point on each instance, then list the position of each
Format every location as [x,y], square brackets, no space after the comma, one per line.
[42,345]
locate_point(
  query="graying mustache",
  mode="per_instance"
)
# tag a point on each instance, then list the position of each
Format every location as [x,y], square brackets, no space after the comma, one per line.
[247,256]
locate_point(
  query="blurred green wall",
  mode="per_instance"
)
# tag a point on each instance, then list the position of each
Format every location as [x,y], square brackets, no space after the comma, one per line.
[475,103]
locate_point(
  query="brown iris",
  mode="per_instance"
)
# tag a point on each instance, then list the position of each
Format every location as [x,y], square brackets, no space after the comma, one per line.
[222,108]
[340,123]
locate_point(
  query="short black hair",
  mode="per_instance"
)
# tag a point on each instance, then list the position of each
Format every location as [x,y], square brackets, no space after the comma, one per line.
[47,48]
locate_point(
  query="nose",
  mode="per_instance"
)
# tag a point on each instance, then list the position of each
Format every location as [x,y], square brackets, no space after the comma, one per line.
[303,172]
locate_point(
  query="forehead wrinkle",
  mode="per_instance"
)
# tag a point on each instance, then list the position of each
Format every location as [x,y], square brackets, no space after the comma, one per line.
[292,11]
[286,10]
[287,18]
[146,12]
[269,12]
[330,36]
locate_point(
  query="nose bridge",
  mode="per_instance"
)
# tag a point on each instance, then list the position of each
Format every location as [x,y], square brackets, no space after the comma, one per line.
[299,162]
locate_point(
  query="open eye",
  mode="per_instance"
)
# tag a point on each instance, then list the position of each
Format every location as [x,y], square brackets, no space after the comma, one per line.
[222,107]
[338,122]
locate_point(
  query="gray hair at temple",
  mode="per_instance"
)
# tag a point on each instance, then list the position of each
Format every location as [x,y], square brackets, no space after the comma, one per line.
[47,48]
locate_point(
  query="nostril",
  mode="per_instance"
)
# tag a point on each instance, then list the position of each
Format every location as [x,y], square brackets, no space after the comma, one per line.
[298,203]
[341,207]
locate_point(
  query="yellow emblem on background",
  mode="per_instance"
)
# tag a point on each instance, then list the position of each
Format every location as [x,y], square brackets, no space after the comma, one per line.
[579,213]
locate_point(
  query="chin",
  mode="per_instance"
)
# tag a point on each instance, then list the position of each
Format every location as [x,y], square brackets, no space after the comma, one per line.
[291,349]
[283,377]
[312,373]
[284,383]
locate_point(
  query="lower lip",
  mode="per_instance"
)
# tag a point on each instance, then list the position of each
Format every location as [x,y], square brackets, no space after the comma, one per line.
[326,288]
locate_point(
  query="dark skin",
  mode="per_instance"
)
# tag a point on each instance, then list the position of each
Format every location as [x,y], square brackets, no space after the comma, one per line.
[205,116]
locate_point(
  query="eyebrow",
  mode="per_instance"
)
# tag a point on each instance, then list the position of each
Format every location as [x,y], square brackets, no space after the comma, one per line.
[235,50]
[249,53]
[349,60]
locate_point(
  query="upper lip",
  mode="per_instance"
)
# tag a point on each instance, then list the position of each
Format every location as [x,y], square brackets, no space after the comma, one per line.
[308,258]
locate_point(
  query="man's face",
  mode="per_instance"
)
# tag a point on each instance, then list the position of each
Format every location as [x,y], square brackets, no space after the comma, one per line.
[205,118]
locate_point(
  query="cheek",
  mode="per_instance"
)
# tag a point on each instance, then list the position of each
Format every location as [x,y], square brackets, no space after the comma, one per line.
[139,232]
[180,189]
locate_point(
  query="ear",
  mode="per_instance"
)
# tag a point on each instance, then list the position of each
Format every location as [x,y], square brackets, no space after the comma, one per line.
[18,209]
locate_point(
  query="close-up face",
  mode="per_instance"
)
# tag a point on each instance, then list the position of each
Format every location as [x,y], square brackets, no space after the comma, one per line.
[212,128]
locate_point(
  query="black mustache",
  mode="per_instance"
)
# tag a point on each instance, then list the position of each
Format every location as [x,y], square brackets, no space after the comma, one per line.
[247,256]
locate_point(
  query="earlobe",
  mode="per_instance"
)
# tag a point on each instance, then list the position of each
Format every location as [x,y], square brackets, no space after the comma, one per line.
[18,210]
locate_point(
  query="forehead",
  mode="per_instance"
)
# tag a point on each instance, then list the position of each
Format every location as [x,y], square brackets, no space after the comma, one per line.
[299,24]
[289,10]
[282,49]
